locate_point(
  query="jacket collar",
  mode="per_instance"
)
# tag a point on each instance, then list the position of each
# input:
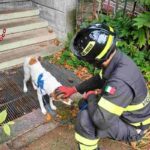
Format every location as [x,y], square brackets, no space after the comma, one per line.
[112,65]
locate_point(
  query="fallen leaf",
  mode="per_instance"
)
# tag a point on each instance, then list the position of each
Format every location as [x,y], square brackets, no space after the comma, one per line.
[48,117]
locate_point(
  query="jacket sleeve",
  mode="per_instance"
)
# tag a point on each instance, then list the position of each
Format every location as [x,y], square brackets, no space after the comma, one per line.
[94,82]
[104,110]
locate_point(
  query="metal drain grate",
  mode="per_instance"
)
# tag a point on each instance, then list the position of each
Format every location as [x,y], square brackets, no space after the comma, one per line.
[12,97]
[15,101]
[9,91]
[19,107]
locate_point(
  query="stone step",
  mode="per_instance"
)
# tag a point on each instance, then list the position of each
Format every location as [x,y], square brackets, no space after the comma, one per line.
[18,25]
[17,20]
[18,13]
[15,4]
[7,1]
[17,40]
[11,58]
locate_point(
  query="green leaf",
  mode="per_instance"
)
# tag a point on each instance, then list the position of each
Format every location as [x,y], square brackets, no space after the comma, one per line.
[70,62]
[6,129]
[142,38]
[143,19]
[11,123]
[3,116]
[145,2]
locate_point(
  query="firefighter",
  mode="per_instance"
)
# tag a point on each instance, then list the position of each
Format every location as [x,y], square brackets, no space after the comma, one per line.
[122,110]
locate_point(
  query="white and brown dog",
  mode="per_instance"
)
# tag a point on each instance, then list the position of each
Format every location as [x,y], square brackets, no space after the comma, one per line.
[43,81]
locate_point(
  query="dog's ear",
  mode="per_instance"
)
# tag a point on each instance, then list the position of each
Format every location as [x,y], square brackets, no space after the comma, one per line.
[32,61]
[39,58]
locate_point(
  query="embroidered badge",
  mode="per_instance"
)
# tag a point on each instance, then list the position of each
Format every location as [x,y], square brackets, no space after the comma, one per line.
[110,90]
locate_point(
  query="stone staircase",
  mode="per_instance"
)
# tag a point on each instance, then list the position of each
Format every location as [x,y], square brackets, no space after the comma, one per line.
[26,34]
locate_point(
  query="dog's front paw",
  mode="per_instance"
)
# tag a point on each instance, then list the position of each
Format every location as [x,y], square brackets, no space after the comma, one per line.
[53,107]
[44,111]
[25,90]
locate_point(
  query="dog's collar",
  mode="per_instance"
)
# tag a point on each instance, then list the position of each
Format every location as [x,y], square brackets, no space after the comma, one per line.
[40,81]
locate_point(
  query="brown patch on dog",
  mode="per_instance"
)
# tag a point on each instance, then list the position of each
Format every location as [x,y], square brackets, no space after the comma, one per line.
[59,98]
[32,61]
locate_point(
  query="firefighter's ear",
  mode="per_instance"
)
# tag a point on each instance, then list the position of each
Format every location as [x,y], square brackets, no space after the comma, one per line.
[32,61]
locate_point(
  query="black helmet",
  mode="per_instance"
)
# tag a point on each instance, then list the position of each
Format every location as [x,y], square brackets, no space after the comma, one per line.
[94,44]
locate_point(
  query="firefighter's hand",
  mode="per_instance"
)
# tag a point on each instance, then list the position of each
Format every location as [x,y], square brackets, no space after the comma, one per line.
[65,91]
[87,94]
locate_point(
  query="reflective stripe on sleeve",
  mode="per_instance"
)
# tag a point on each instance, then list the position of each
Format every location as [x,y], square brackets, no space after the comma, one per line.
[145,122]
[110,107]
[133,107]
[139,106]
[118,110]
[85,141]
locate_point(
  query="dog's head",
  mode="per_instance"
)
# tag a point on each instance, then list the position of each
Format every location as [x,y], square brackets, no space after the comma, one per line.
[34,59]
[31,60]
[66,101]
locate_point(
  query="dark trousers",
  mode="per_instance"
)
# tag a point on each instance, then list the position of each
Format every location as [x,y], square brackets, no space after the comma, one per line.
[118,131]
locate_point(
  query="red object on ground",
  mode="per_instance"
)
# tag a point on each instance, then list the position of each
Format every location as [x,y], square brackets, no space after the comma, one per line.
[3,34]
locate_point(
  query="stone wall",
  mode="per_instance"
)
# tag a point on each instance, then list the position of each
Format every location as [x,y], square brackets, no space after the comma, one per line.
[59,13]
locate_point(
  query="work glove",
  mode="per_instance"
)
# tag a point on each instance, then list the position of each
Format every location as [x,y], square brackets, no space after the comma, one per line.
[65,91]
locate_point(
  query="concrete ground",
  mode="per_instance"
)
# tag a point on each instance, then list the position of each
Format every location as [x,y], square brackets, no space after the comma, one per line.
[62,138]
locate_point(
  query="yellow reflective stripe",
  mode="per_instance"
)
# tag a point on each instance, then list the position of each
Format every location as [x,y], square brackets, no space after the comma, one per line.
[101,73]
[139,106]
[145,122]
[110,107]
[85,141]
[108,45]
[86,147]
[117,110]
[104,103]
[134,107]
[88,48]
[111,29]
